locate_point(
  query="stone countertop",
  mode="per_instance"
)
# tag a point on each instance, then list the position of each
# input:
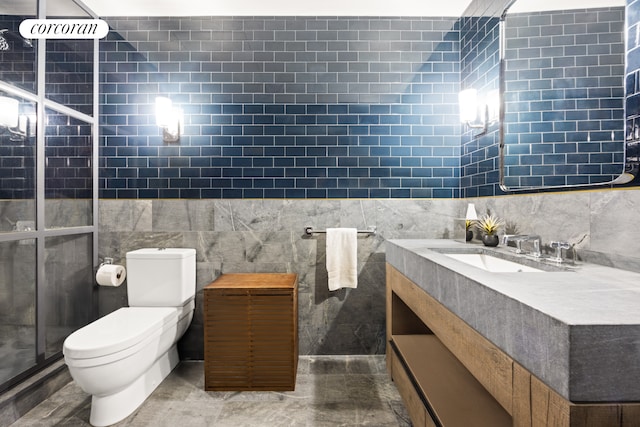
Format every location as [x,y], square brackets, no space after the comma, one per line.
[578,329]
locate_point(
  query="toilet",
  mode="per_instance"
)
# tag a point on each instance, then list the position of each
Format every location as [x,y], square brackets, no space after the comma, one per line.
[122,357]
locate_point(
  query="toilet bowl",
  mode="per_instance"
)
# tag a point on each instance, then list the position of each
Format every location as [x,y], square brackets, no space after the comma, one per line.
[122,357]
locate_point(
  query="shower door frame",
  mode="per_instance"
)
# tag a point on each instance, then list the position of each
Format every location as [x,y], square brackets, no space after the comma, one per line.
[41,233]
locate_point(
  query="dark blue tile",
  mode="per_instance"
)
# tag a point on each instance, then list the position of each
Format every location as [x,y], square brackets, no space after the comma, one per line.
[216,117]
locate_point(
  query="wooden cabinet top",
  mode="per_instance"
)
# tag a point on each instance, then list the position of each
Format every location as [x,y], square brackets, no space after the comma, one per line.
[255,281]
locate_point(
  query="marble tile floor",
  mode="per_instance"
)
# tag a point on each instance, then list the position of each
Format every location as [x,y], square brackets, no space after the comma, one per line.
[330,391]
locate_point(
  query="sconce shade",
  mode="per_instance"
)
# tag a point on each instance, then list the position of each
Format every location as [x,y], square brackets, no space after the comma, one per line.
[169,119]
[164,111]
[468,100]
[471,212]
[9,112]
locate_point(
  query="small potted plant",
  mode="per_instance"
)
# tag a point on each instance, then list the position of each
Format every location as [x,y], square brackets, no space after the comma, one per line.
[488,226]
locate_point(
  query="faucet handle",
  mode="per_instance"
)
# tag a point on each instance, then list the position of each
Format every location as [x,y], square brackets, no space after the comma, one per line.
[506,238]
[517,238]
[559,246]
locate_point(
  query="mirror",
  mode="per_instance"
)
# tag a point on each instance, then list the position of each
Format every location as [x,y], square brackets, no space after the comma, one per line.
[632,94]
[562,87]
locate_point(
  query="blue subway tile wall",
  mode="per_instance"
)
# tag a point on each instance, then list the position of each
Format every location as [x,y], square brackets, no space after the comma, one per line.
[69,74]
[17,167]
[68,151]
[564,97]
[18,61]
[480,69]
[69,81]
[282,107]
[68,170]
[17,156]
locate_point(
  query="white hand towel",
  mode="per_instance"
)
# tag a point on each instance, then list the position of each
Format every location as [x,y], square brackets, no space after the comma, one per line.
[342,258]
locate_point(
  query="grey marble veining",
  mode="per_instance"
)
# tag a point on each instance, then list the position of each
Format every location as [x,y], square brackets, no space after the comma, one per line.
[68,213]
[559,216]
[613,218]
[17,349]
[125,215]
[268,236]
[330,391]
[21,399]
[578,331]
[12,211]
[67,271]
[182,215]
[58,213]
[598,224]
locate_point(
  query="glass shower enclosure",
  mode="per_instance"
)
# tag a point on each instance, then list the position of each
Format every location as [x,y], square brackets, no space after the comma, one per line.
[48,188]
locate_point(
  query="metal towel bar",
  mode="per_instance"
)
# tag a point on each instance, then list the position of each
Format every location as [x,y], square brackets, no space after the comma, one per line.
[370,231]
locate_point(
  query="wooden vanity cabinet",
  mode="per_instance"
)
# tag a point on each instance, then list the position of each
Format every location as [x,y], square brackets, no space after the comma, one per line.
[438,386]
[251,332]
[450,375]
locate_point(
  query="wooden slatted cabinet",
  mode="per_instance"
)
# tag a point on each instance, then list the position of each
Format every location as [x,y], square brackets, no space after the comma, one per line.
[251,332]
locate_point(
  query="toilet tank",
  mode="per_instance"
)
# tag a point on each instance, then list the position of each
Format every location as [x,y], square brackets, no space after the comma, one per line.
[161,277]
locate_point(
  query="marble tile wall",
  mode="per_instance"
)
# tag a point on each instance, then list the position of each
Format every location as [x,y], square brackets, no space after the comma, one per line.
[600,224]
[67,270]
[20,214]
[12,211]
[268,236]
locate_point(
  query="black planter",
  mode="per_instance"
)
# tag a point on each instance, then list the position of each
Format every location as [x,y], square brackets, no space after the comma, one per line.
[490,239]
[469,235]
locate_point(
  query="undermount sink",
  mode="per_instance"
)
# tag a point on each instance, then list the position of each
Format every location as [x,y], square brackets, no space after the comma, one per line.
[492,263]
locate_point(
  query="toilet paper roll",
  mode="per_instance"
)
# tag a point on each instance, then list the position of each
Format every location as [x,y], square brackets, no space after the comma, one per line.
[111,275]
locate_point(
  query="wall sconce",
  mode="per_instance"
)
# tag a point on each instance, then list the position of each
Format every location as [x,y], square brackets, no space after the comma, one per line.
[469,108]
[169,119]
[17,125]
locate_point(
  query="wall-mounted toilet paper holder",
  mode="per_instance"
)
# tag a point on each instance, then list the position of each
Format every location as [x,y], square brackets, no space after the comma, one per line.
[110,274]
[106,261]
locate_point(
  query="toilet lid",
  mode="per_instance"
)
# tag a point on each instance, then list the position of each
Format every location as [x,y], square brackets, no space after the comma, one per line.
[117,331]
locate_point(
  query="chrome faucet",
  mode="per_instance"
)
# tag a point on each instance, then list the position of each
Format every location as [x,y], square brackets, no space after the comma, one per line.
[517,238]
[559,246]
